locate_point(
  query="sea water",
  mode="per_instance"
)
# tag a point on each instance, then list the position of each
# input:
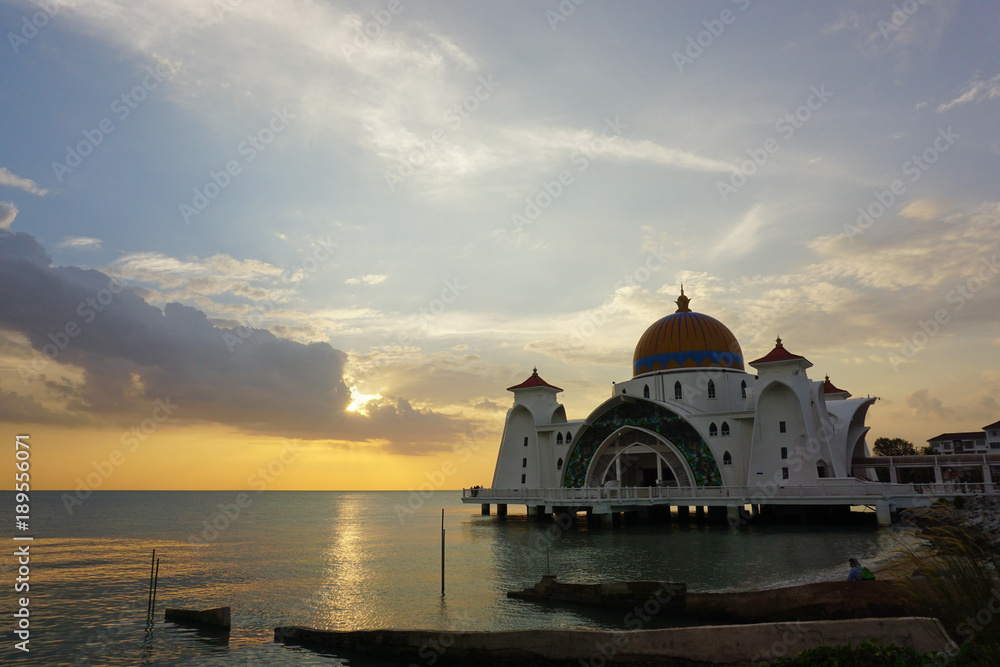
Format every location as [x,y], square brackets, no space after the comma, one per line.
[352,560]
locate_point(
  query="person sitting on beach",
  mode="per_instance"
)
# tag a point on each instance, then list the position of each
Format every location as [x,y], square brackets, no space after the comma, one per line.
[854,574]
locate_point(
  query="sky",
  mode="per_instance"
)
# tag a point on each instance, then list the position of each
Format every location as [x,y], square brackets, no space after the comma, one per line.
[308,245]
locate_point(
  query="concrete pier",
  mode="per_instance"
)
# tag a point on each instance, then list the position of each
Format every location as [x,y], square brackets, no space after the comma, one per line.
[217,618]
[720,645]
[883,512]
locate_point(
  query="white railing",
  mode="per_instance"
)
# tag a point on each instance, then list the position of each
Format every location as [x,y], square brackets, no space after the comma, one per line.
[855,489]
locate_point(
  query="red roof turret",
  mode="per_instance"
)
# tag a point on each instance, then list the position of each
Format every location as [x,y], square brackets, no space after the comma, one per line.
[534,381]
[779,353]
[830,388]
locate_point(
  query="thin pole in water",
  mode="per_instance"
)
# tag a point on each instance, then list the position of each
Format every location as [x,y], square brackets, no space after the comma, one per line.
[149,600]
[156,582]
[442,552]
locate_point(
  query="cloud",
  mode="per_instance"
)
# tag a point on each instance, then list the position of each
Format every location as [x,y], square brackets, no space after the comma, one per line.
[390,94]
[488,405]
[921,31]
[192,277]
[81,243]
[746,234]
[18,409]
[925,253]
[8,211]
[12,180]
[847,20]
[922,404]
[132,354]
[923,209]
[370,279]
[976,91]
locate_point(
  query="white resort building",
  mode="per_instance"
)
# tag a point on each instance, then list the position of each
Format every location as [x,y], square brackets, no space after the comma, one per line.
[693,428]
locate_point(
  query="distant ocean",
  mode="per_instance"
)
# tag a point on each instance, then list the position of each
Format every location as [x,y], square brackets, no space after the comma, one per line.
[348,560]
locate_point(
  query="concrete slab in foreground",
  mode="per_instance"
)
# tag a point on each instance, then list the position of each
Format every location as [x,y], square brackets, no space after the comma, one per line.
[730,645]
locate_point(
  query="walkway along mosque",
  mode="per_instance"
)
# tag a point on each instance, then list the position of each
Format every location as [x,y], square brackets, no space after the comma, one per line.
[693,428]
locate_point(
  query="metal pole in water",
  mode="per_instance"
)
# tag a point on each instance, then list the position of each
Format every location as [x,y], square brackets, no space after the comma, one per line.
[149,600]
[156,581]
[442,552]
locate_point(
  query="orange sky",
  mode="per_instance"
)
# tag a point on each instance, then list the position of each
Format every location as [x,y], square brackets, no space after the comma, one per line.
[192,458]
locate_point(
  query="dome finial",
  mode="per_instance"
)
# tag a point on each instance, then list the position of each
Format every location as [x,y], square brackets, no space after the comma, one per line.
[777,342]
[682,302]
[534,371]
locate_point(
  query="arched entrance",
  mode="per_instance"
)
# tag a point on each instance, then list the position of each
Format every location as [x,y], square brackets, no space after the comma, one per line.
[636,457]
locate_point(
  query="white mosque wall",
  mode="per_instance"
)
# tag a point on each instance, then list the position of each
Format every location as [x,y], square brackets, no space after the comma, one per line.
[779,433]
[742,420]
[518,450]
[536,436]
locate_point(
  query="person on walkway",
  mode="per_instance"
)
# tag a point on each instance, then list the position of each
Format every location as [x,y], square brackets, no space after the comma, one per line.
[854,574]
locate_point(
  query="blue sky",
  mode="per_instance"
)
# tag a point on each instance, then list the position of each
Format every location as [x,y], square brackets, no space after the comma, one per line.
[632,127]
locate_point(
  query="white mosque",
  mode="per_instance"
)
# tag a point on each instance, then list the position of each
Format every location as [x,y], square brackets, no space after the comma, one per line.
[690,416]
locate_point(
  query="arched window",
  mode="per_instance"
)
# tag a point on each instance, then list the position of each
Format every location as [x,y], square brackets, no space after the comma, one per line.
[569,437]
[559,464]
[727,459]
[678,394]
[559,438]
[711,389]
[725,428]
[645,391]
[743,389]
[713,430]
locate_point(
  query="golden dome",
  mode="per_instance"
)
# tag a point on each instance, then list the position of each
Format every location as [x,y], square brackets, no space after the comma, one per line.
[686,340]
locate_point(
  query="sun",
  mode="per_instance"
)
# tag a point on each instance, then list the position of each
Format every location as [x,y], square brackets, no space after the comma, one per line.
[360,401]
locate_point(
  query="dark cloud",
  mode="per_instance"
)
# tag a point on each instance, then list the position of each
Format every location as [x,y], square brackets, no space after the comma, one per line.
[18,245]
[133,354]
[923,404]
[20,409]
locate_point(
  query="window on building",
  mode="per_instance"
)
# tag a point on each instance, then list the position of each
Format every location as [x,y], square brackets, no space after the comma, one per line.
[523,477]
[524,463]
[784,473]
[725,429]
[559,464]
[781,427]
[743,389]
[559,438]
[525,441]
[820,471]
[713,430]
[995,445]
[727,459]
[569,437]
[784,453]
[711,389]
[678,394]
[645,391]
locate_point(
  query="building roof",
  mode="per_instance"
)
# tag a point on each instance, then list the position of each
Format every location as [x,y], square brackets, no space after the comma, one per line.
[993,425]
[778,354]
[971,435]
[830,388]
[534,381]
[686,339]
